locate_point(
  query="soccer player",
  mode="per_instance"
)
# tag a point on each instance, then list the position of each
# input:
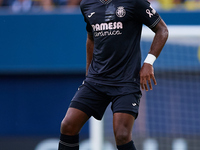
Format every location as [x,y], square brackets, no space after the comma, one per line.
[113,71]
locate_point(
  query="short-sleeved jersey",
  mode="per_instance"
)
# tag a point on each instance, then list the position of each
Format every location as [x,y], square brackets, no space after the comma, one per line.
[116,27]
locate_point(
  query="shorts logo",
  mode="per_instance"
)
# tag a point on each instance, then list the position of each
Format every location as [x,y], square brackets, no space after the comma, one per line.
[120,12]
[134,104]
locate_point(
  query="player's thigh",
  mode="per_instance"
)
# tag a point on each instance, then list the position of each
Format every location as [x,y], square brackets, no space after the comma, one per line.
[73,121]
[122,126]
[123,122]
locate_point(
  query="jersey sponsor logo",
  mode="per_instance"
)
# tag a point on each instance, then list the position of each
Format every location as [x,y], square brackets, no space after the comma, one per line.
[89,16]
[107,29]
[120,12]
[107,26]
[107,33]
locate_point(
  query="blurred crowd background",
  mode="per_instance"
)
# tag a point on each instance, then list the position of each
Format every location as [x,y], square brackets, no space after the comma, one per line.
[27,5]
[48,5]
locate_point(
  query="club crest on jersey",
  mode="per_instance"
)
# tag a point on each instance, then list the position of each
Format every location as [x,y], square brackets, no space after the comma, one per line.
[120,12]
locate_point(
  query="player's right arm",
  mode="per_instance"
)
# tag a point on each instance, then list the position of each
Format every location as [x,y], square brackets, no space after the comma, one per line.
[90,39]
[89,51]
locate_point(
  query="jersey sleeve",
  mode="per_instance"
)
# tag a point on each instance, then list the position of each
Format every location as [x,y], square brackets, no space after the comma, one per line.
[146,13]
[88,26]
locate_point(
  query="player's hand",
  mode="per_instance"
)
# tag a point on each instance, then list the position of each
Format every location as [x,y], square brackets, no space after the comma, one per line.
[146,74]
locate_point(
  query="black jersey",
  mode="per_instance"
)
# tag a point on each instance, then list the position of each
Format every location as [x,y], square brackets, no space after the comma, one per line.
[116,27]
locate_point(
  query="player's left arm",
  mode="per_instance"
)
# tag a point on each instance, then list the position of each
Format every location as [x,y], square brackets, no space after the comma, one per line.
[147,71]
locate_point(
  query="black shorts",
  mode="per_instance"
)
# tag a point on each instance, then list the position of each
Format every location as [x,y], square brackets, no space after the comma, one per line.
[93,99]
